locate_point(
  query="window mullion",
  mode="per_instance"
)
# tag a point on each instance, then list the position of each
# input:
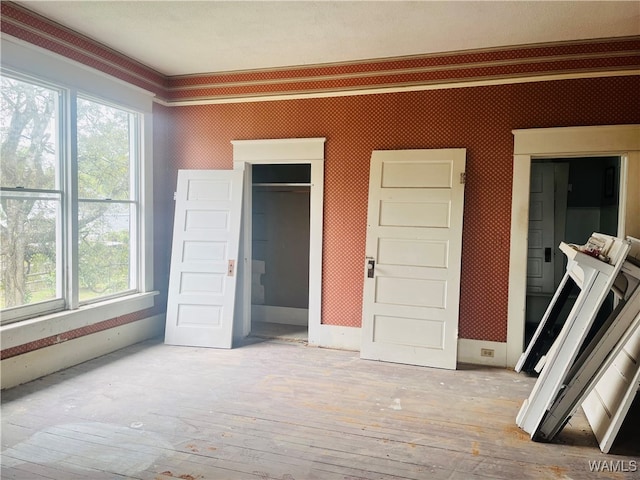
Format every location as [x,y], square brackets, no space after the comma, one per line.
[134,189]
[71,202]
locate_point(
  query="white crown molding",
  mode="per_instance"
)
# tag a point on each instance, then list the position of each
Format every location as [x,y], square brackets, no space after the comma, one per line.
[398,89]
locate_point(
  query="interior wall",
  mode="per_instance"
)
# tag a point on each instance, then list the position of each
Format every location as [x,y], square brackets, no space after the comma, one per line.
[479,119]
[589,208]
[163,206]
[281,240]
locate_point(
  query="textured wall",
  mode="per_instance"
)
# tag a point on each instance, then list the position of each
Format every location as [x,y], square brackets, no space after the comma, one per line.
[479,119]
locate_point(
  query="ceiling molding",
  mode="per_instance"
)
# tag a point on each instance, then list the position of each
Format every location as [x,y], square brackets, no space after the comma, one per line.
[393,89]
[486,66]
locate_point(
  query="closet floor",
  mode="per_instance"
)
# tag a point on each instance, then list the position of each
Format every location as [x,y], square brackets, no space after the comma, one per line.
[280,331]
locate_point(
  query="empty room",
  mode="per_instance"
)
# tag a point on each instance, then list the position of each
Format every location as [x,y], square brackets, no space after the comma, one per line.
[320,239]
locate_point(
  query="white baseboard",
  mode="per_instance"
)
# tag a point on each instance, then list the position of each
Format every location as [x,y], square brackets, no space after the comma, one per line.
[470,351]
[350,338]
[38,363]
[332,336]
[274,314]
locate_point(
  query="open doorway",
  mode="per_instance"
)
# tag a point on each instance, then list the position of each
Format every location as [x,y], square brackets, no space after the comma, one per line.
[570,198]
[622,141]
[280,251]
[285,168]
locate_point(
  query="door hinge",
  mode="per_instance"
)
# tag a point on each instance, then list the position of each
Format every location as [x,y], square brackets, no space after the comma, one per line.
[463,177]
[231,268]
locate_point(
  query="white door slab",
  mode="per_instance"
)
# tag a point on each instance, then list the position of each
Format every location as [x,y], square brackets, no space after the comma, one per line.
[618,340]
[414,244]
[202,281]
[540,266]
[608,404]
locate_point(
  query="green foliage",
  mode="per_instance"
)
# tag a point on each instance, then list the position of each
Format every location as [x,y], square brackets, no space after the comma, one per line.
[103,151]
[104,264]
[29,225]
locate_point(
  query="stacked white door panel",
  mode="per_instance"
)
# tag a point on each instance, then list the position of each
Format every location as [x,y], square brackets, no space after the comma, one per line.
[595,277]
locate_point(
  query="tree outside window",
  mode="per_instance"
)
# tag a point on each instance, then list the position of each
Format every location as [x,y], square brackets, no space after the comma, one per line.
[39,205]
[30,207]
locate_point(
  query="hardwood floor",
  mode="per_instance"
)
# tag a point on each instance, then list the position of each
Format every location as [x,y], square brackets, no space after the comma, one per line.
[280,331]
[283,410]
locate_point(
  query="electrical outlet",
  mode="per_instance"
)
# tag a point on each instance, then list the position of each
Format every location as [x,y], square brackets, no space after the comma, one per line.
[486,352]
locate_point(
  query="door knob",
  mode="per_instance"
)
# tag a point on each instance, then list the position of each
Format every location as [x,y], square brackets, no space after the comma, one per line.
[371,267]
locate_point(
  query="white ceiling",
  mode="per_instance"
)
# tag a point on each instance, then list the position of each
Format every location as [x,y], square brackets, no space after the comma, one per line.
[190,37]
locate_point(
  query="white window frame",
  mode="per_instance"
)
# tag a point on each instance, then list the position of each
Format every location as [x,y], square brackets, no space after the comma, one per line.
[49,68]
[136,187]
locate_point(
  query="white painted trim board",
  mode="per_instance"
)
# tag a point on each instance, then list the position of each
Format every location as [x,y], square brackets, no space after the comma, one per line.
[44,361]
[606,140]
[275,314]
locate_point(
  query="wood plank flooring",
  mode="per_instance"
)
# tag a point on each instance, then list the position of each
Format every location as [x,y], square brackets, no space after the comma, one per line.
[282,410]
[281,331]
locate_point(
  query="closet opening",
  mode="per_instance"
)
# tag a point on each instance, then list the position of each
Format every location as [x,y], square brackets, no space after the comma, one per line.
[280,239]
[570,198]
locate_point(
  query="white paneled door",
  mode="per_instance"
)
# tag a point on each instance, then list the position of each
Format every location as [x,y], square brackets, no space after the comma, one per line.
[414,247]
[540,265]
[206,235]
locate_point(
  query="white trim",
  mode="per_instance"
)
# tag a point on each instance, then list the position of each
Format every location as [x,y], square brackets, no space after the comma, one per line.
[335,336]
[25,331]
[469,351]
[275,314]
[283,151]
[15,52]
[38,363]
[146,205]
[576,141]
[278,150]
[608,140]
[242,316]
[250,98]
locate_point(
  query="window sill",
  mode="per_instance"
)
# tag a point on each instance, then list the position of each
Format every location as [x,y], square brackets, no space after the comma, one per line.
[31,330]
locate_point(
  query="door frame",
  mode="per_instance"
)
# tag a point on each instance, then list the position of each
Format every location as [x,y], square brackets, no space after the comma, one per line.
[538,143]
[310,151]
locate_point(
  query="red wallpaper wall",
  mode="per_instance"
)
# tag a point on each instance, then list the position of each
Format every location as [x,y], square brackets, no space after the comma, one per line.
[444,68]
[479,119]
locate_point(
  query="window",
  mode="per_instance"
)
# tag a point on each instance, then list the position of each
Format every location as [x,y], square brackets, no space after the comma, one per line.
[70,199]
[107,199]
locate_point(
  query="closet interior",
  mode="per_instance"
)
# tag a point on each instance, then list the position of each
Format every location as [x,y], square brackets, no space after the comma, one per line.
[280,251]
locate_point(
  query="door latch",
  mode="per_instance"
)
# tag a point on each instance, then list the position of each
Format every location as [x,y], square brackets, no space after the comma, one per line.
[547,255]
[231,267]
[371,267]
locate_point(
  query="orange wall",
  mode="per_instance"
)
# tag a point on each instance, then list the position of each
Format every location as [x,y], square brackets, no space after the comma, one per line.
[479,119]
